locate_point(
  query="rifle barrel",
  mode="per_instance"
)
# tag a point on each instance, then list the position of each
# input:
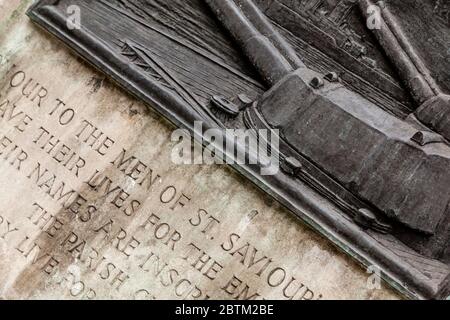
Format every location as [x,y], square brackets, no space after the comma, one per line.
[400,51]
[248,28]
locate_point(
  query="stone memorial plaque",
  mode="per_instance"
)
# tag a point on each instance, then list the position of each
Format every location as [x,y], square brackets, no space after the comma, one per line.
[91,206]
[332,108]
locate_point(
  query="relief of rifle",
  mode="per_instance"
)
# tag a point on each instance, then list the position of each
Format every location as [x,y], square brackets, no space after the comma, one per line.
[268,51]
[433,105]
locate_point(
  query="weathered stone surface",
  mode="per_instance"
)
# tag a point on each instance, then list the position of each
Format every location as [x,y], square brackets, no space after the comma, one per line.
[133,235]
[7,7]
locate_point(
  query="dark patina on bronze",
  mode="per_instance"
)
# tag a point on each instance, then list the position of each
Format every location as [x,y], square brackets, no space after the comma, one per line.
[363,113]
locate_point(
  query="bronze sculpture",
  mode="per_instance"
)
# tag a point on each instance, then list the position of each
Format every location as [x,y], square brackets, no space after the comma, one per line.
[362,112]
